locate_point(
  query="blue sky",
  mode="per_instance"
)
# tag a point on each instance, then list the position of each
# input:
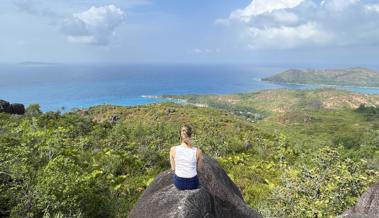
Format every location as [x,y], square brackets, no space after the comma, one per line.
[264,32]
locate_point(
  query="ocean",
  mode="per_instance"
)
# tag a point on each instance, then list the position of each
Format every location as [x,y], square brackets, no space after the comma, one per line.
[67,86]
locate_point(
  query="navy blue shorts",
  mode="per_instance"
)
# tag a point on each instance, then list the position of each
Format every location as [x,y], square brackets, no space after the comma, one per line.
[185,183]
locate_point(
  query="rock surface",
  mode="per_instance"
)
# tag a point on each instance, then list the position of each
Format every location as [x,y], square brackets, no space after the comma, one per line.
[217,197]
[5,106]
[367,205]
[15,108]
[113,119]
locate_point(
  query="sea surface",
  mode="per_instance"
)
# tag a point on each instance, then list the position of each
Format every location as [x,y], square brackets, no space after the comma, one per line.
[67,86]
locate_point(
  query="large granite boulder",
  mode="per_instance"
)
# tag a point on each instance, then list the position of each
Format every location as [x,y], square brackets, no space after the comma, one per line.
[5,106]
[15,108]
[217,197]
[367,205]
[18,108]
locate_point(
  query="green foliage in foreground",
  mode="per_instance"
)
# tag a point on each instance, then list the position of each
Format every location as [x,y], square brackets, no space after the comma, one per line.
[68,165]
[368,111]
[299,183]
[323,187]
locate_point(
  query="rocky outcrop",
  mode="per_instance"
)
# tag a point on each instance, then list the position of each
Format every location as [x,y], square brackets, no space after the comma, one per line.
[113,119]
[367,205]
[11,108]
[217,197]
[170,110]
[17,108]
[5,106]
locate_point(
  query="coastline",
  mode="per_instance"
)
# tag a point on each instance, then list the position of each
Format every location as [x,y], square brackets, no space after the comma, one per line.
[152,99]
[175,100]
[322,85]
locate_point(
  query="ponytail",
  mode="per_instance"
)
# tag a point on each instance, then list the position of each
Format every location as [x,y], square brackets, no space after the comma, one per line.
[186,137]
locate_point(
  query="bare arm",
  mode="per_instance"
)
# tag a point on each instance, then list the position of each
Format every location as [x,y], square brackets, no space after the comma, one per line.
[172,158]
[200,164]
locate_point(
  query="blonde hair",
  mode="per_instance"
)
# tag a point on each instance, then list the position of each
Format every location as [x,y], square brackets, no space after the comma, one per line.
[186,137]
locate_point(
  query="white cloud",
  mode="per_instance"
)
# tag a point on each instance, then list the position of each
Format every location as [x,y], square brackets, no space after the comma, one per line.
[289,24]
[288,37]
[285,17]
[338,5]
[259,7]
[373,8]
[93,26]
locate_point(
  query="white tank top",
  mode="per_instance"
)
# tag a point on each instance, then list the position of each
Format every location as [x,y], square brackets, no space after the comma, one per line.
[185,161]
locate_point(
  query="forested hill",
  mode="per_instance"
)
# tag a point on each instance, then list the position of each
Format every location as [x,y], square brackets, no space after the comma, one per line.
[283,100]
[357,76]
[96,162]
[314,117]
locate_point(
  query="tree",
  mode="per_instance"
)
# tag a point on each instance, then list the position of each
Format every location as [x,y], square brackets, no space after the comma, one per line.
[33,109]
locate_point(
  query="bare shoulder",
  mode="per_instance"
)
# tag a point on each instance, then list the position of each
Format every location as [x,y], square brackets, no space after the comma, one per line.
[172,150]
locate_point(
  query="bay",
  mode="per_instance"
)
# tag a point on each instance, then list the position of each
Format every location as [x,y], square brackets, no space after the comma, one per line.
[68,86]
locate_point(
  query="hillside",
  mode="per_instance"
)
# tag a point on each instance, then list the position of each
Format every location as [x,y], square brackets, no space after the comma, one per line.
[104,157]
[345,77]
[284,100]
[97,162]
[313,117]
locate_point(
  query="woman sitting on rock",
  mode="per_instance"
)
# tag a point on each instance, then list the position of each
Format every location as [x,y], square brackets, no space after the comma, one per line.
[185,160]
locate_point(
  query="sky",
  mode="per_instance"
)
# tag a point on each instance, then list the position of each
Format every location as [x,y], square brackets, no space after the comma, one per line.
[264,32]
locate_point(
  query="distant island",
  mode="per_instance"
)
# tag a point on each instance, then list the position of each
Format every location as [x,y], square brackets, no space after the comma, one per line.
[357,76]
[38,63]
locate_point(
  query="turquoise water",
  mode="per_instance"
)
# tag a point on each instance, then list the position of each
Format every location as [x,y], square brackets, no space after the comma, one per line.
[64,87]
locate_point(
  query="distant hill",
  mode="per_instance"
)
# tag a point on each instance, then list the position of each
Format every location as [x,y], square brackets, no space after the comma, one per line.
[38,63]
[285,100]
[357,76]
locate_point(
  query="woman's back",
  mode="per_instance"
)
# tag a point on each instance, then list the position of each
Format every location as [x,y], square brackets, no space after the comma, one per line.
[185,161]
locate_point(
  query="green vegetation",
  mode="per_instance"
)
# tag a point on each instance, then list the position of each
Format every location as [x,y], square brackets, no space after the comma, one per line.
[308,125]
[369,111]
[288,155]
[349,77]
[68,165]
